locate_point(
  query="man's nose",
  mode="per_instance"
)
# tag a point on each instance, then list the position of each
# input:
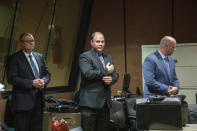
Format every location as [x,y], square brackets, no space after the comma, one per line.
[100,43]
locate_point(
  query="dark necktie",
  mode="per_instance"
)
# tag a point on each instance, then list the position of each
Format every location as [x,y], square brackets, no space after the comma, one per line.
[36,74]
[167,65]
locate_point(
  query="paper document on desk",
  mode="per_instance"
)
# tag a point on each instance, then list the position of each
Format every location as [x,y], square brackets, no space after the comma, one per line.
[141,101]
[1,87]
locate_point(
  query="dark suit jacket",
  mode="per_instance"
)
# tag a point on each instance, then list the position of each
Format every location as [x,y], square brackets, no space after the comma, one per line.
[156,76]
[20,75]
[93,91]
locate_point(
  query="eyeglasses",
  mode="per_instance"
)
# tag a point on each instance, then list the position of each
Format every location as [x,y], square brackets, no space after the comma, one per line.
[98,41]
[28,41]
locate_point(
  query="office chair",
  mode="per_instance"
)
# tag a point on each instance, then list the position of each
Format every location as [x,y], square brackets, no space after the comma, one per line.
[117,114]
[131,113]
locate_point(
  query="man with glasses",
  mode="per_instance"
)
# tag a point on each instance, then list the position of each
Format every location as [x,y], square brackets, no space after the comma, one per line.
[29,75]
[98,74]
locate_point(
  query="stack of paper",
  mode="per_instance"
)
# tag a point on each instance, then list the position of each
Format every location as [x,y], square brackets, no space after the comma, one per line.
[1,87]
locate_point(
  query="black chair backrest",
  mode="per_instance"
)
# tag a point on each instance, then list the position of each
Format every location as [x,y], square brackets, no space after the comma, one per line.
[126,82]
[117,113]
[131,107]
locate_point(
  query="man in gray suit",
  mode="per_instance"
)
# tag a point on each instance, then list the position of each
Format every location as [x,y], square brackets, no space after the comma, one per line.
[97,74]
[159,70]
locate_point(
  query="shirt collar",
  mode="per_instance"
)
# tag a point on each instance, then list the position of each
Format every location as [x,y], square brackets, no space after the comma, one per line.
[27,55]
[98,54]
[161,54]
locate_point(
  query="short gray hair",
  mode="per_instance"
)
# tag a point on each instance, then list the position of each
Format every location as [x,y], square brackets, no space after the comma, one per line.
[24,34]
[166,40]
[93,35]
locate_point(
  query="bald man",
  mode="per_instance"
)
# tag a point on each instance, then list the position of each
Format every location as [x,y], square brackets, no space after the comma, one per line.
[159,70]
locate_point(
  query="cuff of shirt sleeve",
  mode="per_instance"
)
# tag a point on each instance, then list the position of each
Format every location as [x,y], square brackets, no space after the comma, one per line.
[166,90]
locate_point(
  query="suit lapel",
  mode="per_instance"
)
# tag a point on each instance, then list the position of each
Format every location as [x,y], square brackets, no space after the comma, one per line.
[97,58]
[161,61]
[171,67]
[26,62]
[164,67]
[105,59]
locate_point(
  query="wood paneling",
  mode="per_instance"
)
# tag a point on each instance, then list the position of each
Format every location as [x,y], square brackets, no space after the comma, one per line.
[146,23]
[185,21]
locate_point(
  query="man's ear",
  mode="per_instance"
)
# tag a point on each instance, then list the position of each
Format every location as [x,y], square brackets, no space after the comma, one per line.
[91,42]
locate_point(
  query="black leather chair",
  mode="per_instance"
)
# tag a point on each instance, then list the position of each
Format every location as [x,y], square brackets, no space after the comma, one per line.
[192,114]
[131,113]
[117,114]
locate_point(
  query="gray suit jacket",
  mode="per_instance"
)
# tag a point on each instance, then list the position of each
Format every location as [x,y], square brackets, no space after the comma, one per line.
[156,76]
[20,75]
[93,91]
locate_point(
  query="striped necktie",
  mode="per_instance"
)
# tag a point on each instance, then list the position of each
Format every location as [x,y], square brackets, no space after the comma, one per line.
[167,65]
[36,74]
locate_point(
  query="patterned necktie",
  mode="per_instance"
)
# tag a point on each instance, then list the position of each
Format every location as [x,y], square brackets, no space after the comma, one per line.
[167,65]
[36,74]
[102,60]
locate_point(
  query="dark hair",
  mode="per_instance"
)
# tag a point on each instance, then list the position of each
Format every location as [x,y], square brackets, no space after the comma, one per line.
[24,34]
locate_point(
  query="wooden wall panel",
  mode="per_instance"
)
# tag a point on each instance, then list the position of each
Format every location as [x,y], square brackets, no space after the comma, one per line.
[148,21]
[185,21]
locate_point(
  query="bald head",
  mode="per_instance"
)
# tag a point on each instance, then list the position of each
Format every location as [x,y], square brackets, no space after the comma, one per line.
[167,45]
[167,40]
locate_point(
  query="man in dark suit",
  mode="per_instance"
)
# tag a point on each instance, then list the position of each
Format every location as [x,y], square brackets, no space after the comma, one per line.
[97,74]
[29,75]
[159,70]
